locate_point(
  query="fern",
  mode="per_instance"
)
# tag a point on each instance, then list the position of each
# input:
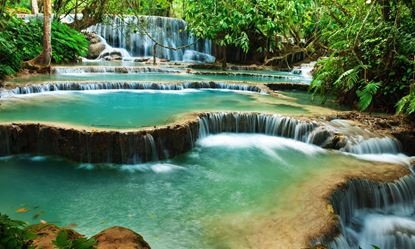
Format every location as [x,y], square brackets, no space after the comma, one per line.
[366,95]
[407,103]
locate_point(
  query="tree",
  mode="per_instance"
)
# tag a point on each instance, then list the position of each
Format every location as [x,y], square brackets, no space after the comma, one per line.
[43,60]
[255,26]
[34,6]
[370,47]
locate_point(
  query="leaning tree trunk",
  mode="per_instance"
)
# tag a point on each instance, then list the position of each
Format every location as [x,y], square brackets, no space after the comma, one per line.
[43,60]
[34,6]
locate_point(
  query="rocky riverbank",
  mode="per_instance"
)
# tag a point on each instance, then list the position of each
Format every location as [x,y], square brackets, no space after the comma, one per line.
[114,237]
[399,126]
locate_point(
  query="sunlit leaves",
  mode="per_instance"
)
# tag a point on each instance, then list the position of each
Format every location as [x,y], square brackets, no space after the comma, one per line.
[240,23]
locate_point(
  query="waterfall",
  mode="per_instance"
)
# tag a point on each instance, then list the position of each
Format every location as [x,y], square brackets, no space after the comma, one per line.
[150,145]
[274,125]
[305,69]
[374,146]
[125,32]
[111,69]
[74,86]
[381,214]
[337,134]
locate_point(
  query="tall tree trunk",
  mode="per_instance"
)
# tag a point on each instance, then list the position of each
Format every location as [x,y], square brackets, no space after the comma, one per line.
[34,7]
[43,60]
[224,59]
[154,54]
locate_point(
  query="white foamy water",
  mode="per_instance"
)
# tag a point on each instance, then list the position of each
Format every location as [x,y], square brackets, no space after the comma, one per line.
[385,158]
[385,230]
[151,167]
[263,142]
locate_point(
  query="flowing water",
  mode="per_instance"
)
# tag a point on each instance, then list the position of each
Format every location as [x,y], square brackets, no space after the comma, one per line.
[135,108]
[176,203]
[76,75]
[129,33]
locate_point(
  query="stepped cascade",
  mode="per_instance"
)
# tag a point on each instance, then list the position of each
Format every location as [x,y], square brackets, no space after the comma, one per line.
[207,124]
[374,213]
[169,141]
[128,33]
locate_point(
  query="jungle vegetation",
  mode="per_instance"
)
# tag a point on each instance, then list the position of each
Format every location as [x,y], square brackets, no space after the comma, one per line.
[365,48]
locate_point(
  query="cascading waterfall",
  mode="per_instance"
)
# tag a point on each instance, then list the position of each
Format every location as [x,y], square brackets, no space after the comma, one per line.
[381,214]
[164,142]
[347,137]
[273,125]
[150,145]
[305,131]
[304,69]
[373,146]
[73,86]
[127,33]
[112,69]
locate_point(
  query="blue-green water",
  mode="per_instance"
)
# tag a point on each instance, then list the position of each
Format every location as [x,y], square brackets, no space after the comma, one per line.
[176,203]
[157,77]
[135,108]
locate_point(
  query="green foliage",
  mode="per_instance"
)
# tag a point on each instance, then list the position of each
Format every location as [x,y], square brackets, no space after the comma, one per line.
[139,7]
[366,95]
[10,60]
[67,43]
[21,41]
[62,241]
[407,103]
[251,24]
[372,48]
[13,235]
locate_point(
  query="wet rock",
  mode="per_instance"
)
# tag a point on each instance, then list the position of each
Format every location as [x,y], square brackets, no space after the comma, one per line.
[120,237]
[96,45]
[112,56]
[121,70]
[192,56]
[288,86]
[150,60]
[94,50]
[142,59]
[94,146]
[47,233]
[407,141]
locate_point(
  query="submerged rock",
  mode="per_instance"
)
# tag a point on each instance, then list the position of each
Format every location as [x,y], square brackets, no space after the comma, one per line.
[120,237]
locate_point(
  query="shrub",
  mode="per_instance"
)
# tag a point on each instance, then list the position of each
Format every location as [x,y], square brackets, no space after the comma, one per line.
[13,235]
[10,60]
[21,41]
[62,241]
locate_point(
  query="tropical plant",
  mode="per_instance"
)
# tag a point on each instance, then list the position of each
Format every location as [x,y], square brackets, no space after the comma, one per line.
[260,27]
[13,234]
[63,241]
[371,47]
[21,41]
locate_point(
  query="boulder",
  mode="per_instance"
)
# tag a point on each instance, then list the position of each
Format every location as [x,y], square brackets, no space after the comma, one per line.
[142,59]
[47,233]
[94,50]
[112,56]
[120,238]
[96,45]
